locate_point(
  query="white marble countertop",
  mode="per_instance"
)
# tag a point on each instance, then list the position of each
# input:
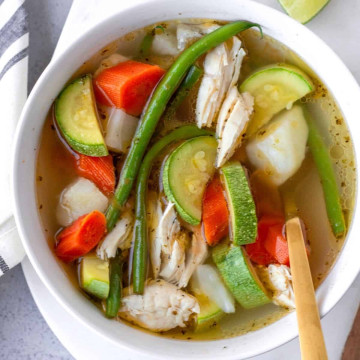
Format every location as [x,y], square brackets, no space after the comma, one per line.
[24,334]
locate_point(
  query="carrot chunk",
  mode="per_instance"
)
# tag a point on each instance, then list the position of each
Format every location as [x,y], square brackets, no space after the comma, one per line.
[276,244]
[81,236]
[127,85]
[100,170]
[215,214]
[257,251]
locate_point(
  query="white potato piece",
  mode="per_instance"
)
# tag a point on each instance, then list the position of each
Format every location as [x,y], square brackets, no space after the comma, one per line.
[207,280]
[120,130]
[110,61]
[188,33]
[162,307]
[118,238]
[165,43]
[279,148]
[277,279]
[79,198]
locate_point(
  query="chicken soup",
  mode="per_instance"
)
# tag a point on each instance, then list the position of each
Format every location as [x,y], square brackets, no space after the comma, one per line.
[169,165]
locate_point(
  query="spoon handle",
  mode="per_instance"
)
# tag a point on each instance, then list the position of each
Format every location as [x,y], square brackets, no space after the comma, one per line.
[312,342]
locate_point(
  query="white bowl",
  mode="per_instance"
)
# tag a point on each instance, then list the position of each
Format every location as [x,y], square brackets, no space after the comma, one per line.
[311,49]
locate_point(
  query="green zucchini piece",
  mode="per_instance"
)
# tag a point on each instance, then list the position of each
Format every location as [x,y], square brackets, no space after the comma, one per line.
[186,173]
[209,314]
[77,118]
[240,276]
[94,276]
[274,88]
[243,220]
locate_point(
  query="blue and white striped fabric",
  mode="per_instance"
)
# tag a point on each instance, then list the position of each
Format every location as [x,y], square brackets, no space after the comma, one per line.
[14,43]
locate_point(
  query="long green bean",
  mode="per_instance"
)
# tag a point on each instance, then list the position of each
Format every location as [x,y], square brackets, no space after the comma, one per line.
[322,160]
[156,106]
[113,300]
[146,45]
[190,80]
[140,245]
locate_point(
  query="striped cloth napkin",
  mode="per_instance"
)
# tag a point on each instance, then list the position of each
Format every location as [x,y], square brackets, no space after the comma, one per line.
[14,42]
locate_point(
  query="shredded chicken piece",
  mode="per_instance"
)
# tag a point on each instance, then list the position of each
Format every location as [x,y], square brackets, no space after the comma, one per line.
[173,265]
[120,237]
[172,257]
[195,256]
[277,279]
[221,71]
[232,122]
[162,307]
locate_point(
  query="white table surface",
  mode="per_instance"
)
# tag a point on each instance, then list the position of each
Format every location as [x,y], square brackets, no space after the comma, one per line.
[23,333]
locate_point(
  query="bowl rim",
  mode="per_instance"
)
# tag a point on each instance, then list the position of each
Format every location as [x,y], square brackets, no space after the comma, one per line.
[297,30]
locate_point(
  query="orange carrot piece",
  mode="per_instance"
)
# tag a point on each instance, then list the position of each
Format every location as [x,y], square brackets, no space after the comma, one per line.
[215,214]
[127,85]
[100,170]
[276,244]
[81,236]
[257,251]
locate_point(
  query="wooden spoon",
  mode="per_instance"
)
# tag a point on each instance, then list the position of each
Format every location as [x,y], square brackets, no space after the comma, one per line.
[312,342]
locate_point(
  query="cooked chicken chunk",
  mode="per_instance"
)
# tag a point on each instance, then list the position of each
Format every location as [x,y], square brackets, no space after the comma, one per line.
[277,279]
[232,122]
[173,265]
[119,237]
[195,256]
[162,307]
[221,71]
[172,257]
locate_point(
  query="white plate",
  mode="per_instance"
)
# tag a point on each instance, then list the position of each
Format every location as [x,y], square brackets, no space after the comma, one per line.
[86,344]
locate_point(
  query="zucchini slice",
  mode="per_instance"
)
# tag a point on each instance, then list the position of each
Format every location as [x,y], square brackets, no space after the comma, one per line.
[186,173]
[94,276]
[241,204]
[240,276]
[210,313]
[274,87]
[77,118]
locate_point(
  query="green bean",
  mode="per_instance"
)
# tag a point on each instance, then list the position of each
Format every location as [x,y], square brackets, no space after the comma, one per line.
[156,106]
[114,298]
[146,45]
[140,230]
[324,166]
[190,80]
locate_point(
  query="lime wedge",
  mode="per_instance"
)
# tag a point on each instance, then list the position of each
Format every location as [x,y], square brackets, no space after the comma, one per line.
[303,10]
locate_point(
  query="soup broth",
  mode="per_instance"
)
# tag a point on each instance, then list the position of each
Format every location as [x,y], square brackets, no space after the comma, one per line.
[301,195]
